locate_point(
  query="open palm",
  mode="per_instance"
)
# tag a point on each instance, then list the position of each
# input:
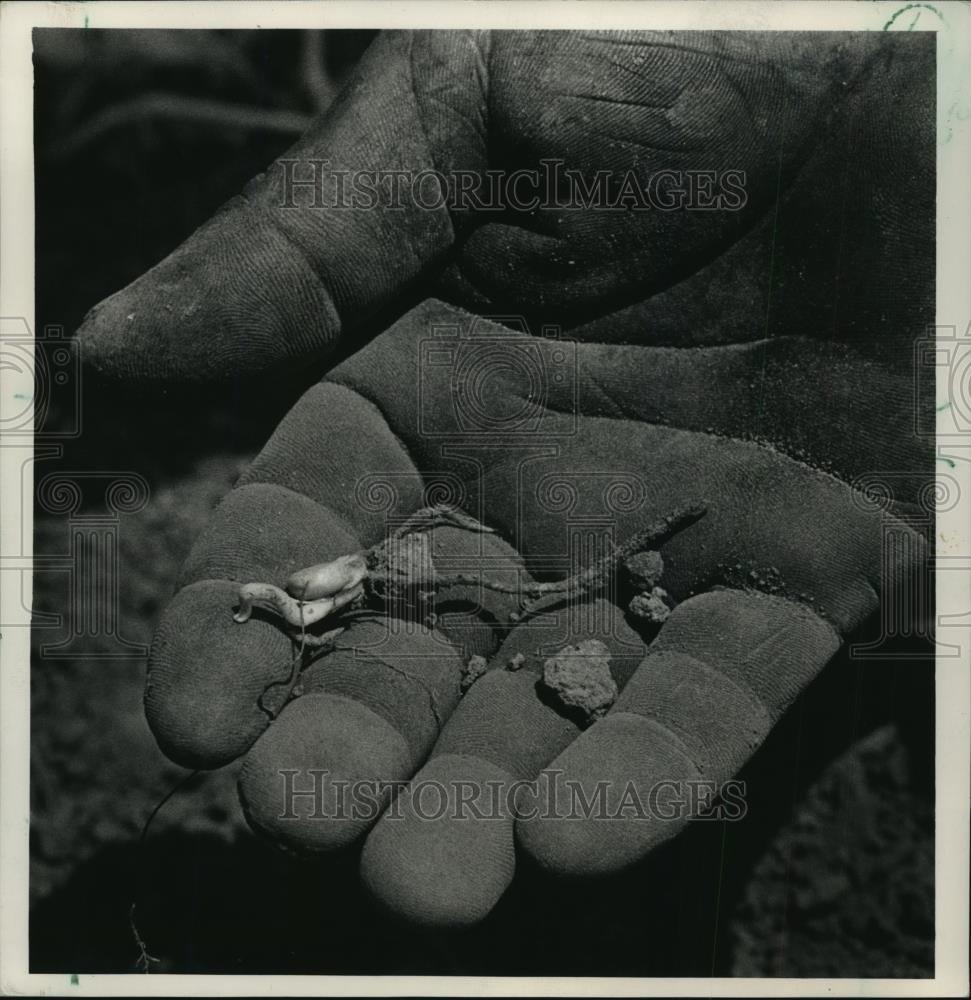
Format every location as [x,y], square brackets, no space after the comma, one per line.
[570,375]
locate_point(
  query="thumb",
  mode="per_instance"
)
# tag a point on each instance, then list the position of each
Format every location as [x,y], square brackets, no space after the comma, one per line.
[280,271]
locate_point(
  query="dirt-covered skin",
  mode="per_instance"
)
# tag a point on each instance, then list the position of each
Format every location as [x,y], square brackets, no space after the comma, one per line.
[734,369]
[97,774]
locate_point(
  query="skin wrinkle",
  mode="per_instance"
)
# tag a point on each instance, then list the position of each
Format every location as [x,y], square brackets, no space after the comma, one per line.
[874,593]
[421,123]
[255,331]
[292,241]
[481,62]
[516,50]
[591,378]
[684,737]
[717,57]
[737,682]
[649,146]
[739,91]
[633,71]
[717,53]
[773,640]
[416,680]
[472,477]
[437,97]
[668,729]
[618,101]
[475,275]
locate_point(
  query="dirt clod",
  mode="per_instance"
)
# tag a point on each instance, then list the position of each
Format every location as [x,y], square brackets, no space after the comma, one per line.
[650,607]
[579,678]
[474,669]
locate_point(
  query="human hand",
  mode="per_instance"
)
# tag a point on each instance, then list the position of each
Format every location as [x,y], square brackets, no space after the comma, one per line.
[777,386]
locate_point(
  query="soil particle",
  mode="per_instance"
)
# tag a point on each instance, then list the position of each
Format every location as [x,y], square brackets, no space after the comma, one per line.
[847,886]
[473,670]
[579,678]
[650,607]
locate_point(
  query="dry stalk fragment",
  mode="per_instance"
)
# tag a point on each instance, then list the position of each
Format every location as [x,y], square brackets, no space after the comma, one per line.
[401,569]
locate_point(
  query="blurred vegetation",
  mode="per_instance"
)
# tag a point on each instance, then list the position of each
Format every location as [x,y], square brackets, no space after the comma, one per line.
[139,137]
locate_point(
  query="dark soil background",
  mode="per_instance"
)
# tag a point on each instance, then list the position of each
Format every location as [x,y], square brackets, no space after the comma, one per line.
[139,137]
